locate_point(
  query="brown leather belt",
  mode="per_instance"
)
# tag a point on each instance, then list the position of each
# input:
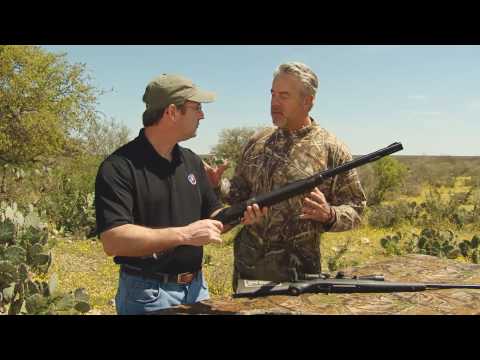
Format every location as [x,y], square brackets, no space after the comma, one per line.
[182,278]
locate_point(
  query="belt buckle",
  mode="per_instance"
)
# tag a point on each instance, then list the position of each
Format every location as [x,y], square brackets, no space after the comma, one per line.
[180,278]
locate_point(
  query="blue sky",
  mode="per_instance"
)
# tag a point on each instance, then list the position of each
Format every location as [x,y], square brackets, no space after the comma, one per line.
[427,97]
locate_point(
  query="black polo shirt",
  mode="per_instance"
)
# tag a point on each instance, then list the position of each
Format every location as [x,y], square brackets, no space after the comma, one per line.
[135,185]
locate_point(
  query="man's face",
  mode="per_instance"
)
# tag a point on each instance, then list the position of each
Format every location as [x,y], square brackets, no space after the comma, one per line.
[190,120]
[288,103]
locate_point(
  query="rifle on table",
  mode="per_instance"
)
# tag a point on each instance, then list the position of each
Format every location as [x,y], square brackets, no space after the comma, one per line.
[339,284]
[232,215]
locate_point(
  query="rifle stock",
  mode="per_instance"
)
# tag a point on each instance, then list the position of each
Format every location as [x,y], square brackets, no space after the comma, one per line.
[233,214]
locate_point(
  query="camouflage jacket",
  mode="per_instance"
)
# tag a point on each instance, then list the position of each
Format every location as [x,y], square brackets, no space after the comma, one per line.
[271,159]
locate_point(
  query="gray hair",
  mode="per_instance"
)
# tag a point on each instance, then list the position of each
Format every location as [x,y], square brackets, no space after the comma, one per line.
[303,73]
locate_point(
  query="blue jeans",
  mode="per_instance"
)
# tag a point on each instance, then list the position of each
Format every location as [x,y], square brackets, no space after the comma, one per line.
[137,295]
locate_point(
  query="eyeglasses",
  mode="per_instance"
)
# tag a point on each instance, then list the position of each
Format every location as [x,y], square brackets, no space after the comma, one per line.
[197,108]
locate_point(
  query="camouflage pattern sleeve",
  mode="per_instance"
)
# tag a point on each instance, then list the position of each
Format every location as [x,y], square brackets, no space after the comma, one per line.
[347,196]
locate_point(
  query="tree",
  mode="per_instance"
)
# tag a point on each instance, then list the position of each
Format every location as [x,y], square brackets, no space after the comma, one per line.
[389,175]
[46,104]
[105,136]
[232,141]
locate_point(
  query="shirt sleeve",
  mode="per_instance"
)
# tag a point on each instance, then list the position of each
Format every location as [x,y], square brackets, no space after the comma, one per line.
[113,195]
[347,196]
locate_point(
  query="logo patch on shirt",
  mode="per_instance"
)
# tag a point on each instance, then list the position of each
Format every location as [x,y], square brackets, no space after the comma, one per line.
[192,179]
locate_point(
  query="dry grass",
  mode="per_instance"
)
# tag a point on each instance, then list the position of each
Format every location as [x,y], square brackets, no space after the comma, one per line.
[83,264]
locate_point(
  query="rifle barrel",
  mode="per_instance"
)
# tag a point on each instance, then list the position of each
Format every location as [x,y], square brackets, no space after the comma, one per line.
[452,286]
[354,286]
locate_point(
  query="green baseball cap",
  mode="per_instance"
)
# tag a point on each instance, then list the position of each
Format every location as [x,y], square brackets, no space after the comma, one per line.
[169,89]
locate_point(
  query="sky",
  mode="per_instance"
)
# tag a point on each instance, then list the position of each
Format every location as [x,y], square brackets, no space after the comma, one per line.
[425,96]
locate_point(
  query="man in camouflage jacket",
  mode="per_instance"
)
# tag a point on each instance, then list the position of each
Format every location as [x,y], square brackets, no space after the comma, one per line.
[285,244]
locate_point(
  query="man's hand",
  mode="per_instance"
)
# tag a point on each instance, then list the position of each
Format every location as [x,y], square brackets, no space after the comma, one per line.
[253,214]
[214,173]
[202,232]
[316,207]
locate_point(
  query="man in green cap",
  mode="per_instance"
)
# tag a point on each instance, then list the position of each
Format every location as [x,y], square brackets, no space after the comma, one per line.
[154,203]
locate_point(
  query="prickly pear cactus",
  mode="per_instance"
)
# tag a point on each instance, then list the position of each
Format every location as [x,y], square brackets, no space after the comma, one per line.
[471,249]
[433,242]
[25,255]
[438,243]
[391,244]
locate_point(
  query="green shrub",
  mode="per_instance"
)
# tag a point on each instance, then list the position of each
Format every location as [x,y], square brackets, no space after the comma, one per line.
[25,257]
[389,216]
[61,191]
[336,261]
[412,187]
[69,195]
[71,210]
[389,175]
[438,212]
